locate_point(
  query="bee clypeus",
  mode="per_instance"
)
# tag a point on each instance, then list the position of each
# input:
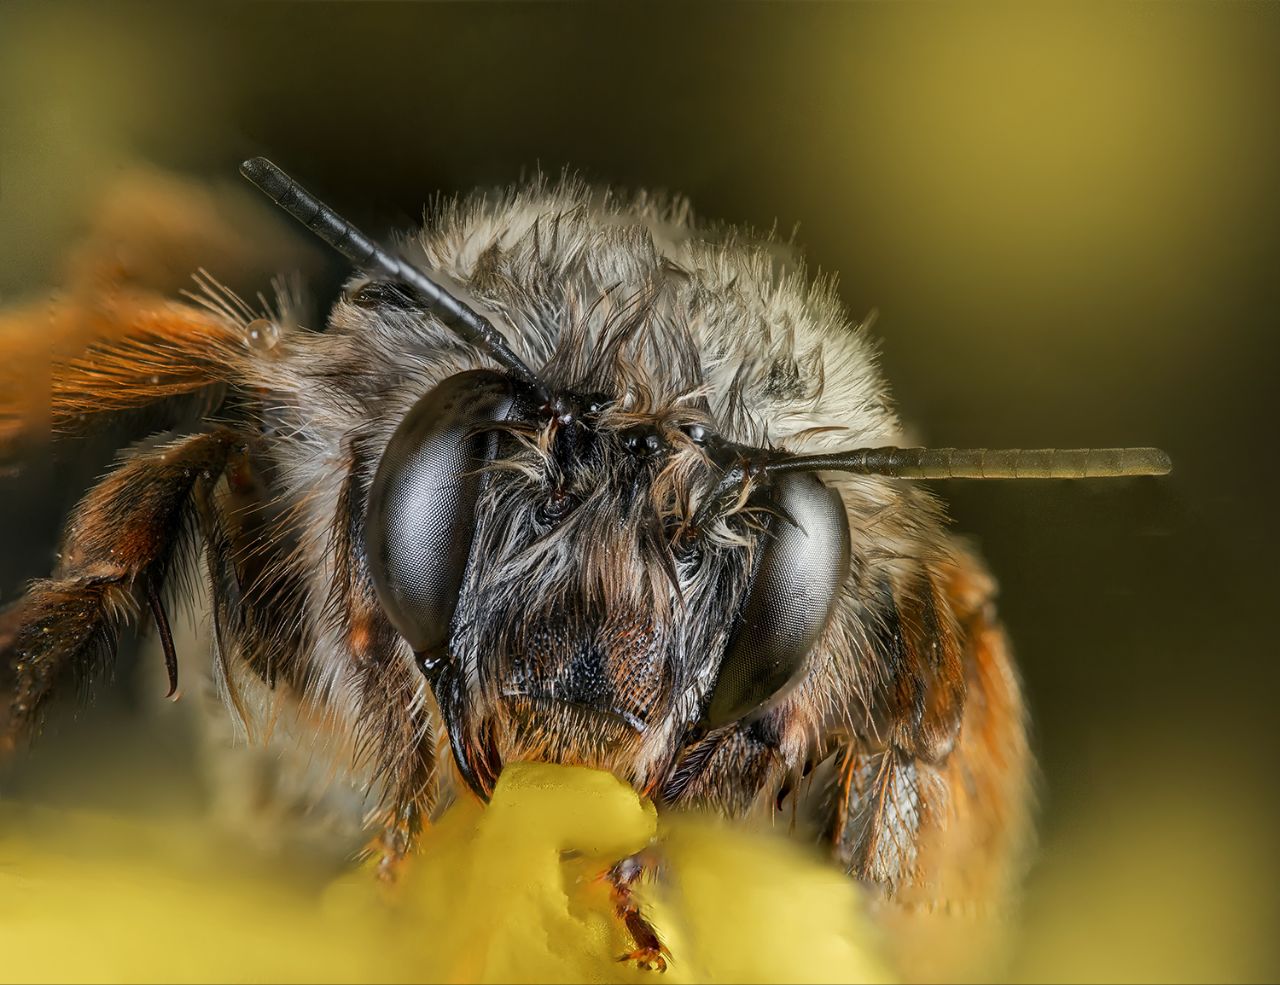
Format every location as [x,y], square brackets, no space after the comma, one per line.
[637,503]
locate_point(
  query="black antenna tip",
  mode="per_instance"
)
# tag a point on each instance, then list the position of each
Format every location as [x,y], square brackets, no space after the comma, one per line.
[256,168]
[266,176]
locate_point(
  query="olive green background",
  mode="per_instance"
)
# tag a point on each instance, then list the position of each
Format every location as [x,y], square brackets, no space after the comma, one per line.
[1066,217]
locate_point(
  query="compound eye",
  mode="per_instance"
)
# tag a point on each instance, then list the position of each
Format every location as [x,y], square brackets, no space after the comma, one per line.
[422,504]
[798,573]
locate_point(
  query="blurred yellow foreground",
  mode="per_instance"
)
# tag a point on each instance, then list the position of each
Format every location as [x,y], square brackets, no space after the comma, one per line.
[511,892]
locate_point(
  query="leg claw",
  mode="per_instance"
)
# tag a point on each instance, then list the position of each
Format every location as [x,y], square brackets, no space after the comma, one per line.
[648,958]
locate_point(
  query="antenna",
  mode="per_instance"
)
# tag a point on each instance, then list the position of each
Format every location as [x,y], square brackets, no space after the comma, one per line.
[983,463]
[343,236]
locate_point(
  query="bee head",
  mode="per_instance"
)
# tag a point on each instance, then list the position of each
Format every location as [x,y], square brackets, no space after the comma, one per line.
[576,584]
[587,567]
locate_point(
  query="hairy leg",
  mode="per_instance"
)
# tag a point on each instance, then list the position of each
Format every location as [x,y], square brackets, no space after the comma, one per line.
[111,338]
[120,548]
[68,362]
[650,953]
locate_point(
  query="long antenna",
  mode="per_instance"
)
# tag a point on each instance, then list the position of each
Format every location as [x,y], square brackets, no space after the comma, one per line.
[364,253]
[983,463]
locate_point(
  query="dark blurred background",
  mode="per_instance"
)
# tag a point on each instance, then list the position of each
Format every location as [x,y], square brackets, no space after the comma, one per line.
[1067,218]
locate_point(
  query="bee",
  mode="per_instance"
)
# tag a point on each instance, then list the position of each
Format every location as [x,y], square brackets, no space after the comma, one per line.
[567,476]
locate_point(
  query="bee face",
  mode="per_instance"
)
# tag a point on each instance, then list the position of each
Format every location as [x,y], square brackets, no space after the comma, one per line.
[568,591]
[586,631]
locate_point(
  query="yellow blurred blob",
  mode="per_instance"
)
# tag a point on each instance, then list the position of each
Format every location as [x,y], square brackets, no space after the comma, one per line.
[511,892]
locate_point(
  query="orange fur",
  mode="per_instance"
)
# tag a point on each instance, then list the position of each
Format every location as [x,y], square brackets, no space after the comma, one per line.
[975,805]
[69,360]
[111,339]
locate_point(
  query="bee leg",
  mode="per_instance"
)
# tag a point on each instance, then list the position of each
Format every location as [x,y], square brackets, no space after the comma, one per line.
[144,235]
[393,844]
[70,362]
[118,550]
[649,954]
[149,228]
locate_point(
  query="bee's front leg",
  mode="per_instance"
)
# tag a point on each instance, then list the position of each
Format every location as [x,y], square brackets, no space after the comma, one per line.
[649,953]
[392,844]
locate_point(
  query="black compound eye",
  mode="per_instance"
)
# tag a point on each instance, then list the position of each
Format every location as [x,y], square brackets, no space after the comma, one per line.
[422,504]
[798,573]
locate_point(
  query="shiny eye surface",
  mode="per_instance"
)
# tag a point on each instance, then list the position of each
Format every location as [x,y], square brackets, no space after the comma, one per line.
[798,573]
[421,513]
